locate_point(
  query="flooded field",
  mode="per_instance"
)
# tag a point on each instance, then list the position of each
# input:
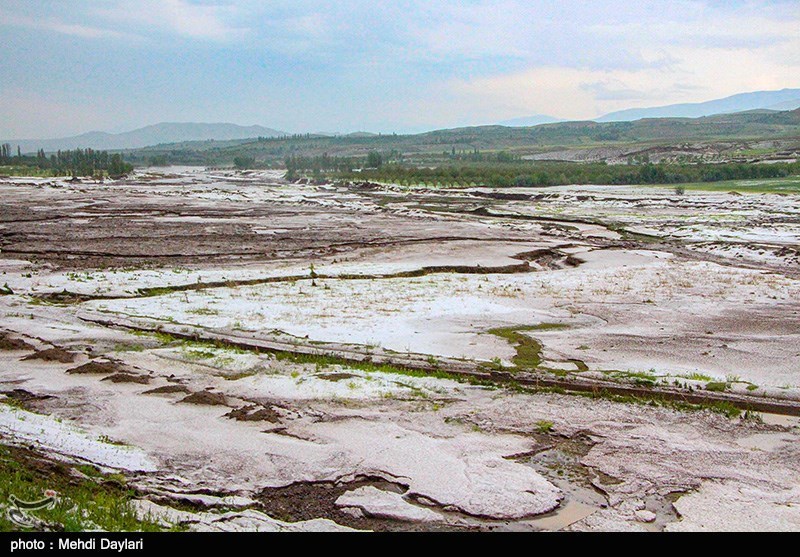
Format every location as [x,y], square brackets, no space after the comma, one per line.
[257,354]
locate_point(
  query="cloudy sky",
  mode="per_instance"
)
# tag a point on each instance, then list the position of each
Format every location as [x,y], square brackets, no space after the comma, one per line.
[70,66]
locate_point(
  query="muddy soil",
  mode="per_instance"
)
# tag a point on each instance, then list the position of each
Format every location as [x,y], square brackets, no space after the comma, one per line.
[8,343]
[167,389]
[306,501]
[97,368]
[52,355]
[127,378]
[205,398]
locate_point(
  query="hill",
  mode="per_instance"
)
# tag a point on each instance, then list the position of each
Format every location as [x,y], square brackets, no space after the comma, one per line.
[529,121]
[750,126]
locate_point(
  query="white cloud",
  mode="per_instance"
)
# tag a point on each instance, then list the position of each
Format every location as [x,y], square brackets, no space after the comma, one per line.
[72,29]
[695,75]
[413,64]
[180,17]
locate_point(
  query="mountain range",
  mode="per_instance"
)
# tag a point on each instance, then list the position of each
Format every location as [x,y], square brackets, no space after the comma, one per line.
[785,99]
[175,133]
[157,134]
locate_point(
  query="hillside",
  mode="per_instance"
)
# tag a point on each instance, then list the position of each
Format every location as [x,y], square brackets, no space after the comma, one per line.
[529,121]
[756,125]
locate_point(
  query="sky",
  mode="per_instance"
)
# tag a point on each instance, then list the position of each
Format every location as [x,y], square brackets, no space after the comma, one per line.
[71,66]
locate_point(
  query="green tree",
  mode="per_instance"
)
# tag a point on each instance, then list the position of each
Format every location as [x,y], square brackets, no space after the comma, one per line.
[244,162]
[374,160]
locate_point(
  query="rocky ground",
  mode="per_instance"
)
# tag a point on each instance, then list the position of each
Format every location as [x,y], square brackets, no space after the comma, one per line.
[253,354]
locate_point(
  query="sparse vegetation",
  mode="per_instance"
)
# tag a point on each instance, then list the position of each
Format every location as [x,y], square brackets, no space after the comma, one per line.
[544,426]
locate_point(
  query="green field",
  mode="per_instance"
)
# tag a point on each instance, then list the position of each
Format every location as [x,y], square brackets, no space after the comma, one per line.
[28,171]
[788,185]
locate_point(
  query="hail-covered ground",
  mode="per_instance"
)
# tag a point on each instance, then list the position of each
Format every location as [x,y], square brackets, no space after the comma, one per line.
[222,339]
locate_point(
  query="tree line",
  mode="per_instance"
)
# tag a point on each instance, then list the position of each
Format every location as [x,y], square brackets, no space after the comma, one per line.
[543,173]
[76,162]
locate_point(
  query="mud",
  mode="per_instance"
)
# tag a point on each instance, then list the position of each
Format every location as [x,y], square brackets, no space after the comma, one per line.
[97,368]
[127,378]
[324,343]
[8,343]
[205,398]
[255,413]
[26,399]
[168,389]
[306,501]
[527,372]
[52,355]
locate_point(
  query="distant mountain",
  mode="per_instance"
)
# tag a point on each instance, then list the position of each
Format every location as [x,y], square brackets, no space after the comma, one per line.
[787,105]
[785,99]
[143,137]
[529,121]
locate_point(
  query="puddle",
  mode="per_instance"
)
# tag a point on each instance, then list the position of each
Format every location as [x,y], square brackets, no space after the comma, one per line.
[663,508]
[570,512]
[579,503]
[561,465]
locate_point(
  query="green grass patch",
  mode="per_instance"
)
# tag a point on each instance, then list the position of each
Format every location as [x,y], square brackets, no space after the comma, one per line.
[93,501]
[199,354]
[642,378]
[529,350]
[717,386]
[694,376]
[789,185]
[128,348]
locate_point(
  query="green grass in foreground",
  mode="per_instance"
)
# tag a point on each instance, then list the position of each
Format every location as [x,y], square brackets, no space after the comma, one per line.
[789,184]
[96,501]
